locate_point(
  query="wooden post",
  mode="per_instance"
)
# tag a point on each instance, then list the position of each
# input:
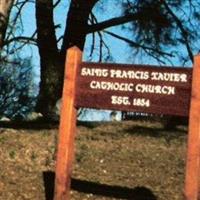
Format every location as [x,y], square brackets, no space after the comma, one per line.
[192,181]
[67,128]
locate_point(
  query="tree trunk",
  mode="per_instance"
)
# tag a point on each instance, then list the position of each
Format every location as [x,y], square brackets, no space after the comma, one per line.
[51,70]
[77,24]
[5,7]
[52,61]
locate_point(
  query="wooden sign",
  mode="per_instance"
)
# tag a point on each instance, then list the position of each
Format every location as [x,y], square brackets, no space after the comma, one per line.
[137,88]
[148,89]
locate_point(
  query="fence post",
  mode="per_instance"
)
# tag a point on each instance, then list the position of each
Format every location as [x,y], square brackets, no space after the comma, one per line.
[67,127]
[192,180]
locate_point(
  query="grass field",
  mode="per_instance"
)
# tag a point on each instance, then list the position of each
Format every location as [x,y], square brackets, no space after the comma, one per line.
[137,160]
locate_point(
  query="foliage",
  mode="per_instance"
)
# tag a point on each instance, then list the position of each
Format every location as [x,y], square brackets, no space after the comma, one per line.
[165,28]
[17,94]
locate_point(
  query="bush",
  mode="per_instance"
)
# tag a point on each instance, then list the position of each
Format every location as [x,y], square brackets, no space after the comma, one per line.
[18,91]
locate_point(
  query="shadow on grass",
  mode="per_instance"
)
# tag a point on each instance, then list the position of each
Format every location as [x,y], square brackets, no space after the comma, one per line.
[30,125]
[156,132]
[118,192]
[90,124]
[43,124]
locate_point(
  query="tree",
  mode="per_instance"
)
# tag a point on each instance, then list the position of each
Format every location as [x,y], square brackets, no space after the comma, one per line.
[16,77]
[5,8]
[155,28]
[52,60]
[17,98]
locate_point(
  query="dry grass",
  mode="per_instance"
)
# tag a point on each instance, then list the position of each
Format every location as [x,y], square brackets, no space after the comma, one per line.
[121,160]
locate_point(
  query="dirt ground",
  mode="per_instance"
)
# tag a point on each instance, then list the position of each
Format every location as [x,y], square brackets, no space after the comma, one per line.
[137,160]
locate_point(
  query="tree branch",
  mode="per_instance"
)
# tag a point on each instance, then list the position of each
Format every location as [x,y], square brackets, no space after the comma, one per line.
[184,33]
[138,45]
[111,22]
[14,22]
[22,38]
[56,3]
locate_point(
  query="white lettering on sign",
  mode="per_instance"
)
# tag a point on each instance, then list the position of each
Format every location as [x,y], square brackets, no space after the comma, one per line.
[94,72]
[172,77]
[124,100]
[135,74]
[120,100]
[141,102]
[114,86]
[129,87]
[139,75]
[156,89]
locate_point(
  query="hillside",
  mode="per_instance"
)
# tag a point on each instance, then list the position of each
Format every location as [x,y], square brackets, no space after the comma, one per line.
[136,160]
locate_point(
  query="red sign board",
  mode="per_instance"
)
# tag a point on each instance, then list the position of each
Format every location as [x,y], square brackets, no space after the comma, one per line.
[137,88]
